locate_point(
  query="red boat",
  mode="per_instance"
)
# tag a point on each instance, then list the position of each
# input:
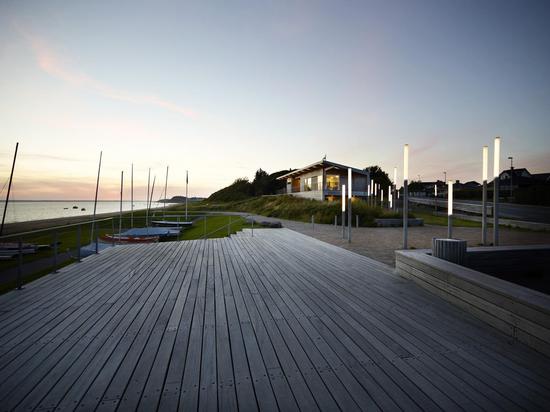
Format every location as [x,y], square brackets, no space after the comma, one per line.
[129,239]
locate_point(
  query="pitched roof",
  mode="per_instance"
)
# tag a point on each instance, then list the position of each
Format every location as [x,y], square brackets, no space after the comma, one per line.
[322,163]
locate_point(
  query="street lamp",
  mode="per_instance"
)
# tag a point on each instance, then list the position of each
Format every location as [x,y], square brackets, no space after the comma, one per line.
[511,159]
[435,196]
[450,210]
[349,206]
[394,185]
[484,172]
[405,194]
[343,211]
[496,184]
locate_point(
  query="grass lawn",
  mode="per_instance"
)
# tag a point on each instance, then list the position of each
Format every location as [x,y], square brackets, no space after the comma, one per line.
[430,219]
[216,226]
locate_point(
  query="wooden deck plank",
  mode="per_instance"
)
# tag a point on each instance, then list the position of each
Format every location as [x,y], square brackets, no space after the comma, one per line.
[189,394]
[358,362]
[246,389]
[88,390]
[153,389]
[227,396]
[303,393]
[525,398]
[59,321]
[133,386]
[524,393]
[173,381]
[272,392]
[55,350]
[278,321]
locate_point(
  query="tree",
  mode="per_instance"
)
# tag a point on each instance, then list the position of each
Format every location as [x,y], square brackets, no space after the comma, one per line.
[377,175]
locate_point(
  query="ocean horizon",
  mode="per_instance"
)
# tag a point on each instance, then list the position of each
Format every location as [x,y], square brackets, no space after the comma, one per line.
[28,210]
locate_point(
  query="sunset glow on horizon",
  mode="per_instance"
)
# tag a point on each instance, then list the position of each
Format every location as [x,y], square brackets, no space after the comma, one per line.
[223,89]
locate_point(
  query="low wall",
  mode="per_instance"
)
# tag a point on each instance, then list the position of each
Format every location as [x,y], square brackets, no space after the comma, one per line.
[517,311]
[398,222]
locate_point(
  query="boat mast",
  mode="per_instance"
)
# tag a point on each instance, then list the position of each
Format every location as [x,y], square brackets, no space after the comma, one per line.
[164,203]
[147,204]
[152,191]
[186,191]
[132,198]
[9,189]
[95,201]
[120,213]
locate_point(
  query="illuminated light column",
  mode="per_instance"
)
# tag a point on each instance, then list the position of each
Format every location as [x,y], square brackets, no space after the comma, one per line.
[435,197]
[382,197]
[405,195]
[450,209]
[484,173]
[390,196]
[349,203]
[343,211]
[496,184]
[394,186]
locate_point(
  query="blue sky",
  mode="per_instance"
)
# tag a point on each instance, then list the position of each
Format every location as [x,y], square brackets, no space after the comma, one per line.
[223,88]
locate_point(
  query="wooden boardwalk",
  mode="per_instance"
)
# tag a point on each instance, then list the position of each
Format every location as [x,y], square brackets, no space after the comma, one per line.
[278,321]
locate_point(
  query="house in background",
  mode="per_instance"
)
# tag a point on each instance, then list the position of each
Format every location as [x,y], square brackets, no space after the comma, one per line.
[323,180]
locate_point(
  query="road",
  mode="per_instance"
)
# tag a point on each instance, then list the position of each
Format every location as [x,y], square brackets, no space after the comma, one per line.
[540,214]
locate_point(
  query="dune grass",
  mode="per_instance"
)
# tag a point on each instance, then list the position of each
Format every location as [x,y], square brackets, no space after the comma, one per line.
[295,208]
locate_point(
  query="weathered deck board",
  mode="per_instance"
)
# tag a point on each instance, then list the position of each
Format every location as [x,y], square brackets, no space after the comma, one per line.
[278,321]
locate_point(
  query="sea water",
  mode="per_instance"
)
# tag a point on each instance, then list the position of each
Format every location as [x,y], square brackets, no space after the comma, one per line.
[23,211]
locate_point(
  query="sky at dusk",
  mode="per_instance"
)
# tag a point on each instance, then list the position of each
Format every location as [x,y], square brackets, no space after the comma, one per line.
[223,88]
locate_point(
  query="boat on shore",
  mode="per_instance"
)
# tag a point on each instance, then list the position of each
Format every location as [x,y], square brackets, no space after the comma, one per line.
[129,239]
[171,223]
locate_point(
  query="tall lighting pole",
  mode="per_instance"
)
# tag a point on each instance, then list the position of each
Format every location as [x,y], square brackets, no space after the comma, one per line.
[484,172]
[496,184]
[511,159]
[450,209]
[405,194]
[349,204]
[394,186]
[343,211]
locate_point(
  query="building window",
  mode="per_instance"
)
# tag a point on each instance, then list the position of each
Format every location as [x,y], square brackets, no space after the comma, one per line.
[312,183]
[333,182]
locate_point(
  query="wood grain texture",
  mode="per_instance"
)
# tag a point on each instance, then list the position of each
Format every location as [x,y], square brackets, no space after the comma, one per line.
[278,321]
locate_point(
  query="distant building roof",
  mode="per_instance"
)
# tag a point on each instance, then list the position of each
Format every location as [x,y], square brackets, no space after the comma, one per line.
[521,172]
[542,177]
[323,163]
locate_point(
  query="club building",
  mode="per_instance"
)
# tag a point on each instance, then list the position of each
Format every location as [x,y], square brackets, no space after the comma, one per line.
[323,180]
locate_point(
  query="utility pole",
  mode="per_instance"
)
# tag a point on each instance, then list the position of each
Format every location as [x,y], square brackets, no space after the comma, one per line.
[511,175]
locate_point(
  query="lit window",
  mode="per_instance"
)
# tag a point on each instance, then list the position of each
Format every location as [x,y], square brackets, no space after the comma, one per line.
[333,182]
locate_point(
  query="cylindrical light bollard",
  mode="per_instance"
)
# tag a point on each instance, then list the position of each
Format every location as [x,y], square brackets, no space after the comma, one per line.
[496,184]
[349,203]
[450,210]
[343,211]
[484,173]
[405,195]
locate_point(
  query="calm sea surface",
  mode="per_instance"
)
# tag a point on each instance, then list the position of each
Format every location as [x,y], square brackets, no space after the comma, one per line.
[23,211]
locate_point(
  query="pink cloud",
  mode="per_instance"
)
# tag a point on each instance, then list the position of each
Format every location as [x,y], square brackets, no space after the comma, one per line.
[56,66]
